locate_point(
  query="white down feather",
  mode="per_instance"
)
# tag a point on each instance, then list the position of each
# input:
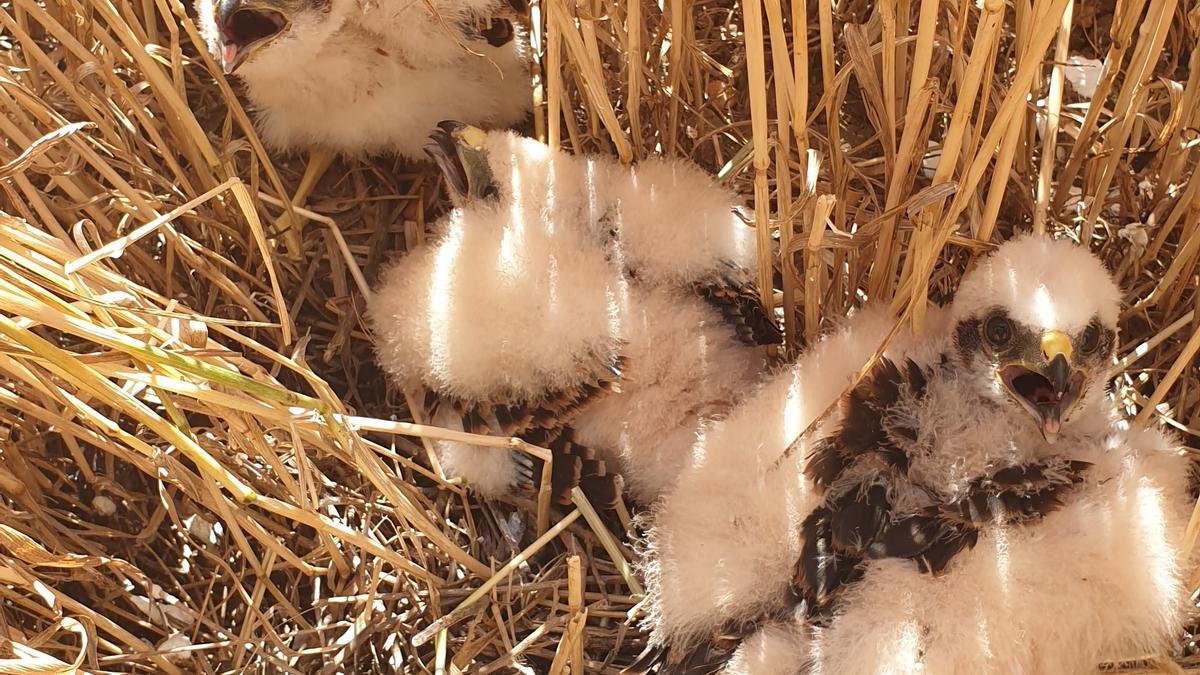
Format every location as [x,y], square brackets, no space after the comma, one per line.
[525,294]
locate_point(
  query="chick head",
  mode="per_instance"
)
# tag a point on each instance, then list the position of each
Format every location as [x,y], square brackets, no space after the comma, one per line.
[1035,323]
[241,31]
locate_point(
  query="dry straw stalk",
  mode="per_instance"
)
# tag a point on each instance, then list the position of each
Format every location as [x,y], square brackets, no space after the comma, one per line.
[203,470]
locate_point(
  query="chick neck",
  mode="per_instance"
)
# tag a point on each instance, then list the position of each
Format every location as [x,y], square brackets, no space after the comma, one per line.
[964,430]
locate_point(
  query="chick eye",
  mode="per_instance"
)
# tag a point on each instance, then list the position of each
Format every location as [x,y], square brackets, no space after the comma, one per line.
[1089,342]
[998,330]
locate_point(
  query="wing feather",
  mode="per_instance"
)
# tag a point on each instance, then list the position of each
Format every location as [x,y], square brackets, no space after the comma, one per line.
[545,420]
[733,291]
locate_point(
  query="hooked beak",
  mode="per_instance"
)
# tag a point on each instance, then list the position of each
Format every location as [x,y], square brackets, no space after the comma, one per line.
[244,29]
[1050,391]
[457,148]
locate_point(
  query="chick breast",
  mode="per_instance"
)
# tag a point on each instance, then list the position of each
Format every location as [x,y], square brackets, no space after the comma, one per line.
[1100,579]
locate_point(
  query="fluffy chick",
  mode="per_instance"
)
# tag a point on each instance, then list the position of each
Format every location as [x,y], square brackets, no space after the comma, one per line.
[343,76]
[604,311]
[979,511]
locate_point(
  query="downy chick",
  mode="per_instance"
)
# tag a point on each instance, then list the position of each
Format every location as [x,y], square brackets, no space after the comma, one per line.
[980,511]
[350,77]
[605,312]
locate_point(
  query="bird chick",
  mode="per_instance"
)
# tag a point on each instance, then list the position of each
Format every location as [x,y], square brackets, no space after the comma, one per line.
[607,313]
[349,77]
[366,77]
[976,507]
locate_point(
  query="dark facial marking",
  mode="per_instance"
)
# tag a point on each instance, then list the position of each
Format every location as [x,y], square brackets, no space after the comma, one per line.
[1090,339]
[967,338]
[1095,344]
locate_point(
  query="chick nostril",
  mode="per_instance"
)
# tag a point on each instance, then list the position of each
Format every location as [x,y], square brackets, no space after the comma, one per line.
[247,26]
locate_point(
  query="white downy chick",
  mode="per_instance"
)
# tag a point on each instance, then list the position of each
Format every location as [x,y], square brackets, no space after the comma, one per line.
[605,312]
[355,77]
[981,512]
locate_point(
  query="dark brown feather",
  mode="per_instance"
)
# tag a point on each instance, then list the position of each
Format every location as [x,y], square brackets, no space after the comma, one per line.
[543,422]
[865,429]
[430,403]
[821,571]
[825,463]
[537,421]
[916,378]
[576,465]
[892,453]
[864,409]
[907,537]
[603,492]
[510,420]
[862,423]
[952,541]
[734,292]
[710,655]
[653,656]
[858,522]
[857,519]
[1017,493]
[883,384]
[705,659]
[472,419]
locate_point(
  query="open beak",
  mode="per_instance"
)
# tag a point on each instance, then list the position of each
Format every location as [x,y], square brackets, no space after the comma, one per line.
[1051,389]
[457,148]
[245,28]
[443,150]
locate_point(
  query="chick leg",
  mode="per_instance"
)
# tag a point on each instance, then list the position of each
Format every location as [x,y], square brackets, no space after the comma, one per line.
[292,223]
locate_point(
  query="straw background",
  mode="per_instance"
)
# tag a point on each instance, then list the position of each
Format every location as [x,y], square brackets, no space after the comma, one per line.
[202,468]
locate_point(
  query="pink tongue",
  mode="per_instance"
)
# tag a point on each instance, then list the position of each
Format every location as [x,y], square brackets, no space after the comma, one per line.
[1052,425]
[228,54]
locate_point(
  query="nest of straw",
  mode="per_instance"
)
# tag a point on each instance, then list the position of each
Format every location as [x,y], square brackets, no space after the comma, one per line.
[204,471]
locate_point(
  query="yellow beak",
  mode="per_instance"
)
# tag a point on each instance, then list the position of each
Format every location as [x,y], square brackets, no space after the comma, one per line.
[472,137]
[1054,343]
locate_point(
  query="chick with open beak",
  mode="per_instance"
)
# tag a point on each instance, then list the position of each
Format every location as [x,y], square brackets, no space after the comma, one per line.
[1045,372]
[1049,385]
[457,149]
[246,26]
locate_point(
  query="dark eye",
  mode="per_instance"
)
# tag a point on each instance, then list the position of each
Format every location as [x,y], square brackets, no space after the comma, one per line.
[998,330]
[1089,342]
